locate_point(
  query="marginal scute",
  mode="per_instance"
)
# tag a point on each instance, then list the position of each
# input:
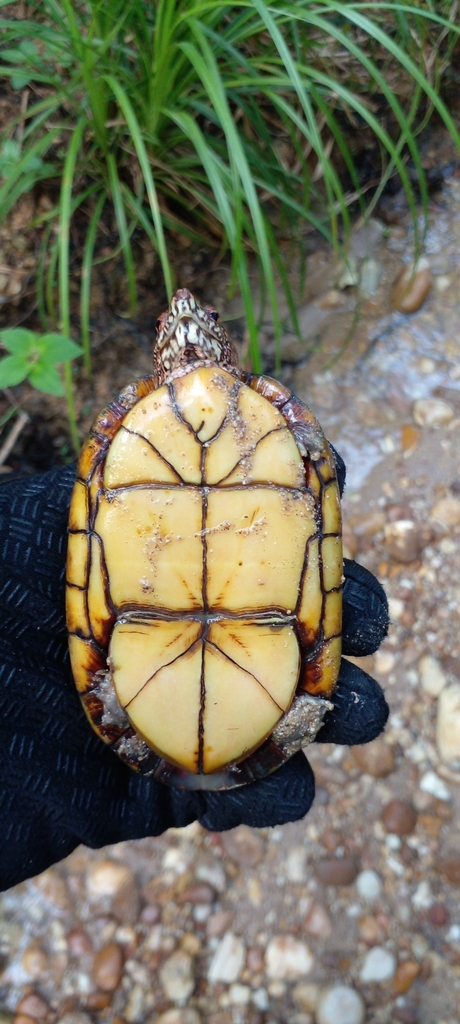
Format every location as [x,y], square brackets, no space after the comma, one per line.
[332,520]
[331,553]
[311,602]
[320,674]
[78,516]
[76,613]
[77,559]
[332,621]
[85,661]
[100,613]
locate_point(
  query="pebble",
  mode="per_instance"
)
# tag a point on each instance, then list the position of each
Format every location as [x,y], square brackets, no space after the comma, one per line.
[403,540]
[337,870]
[369,884]
[379,965]
[410,437]
[197,892]
[438,915]
[176,976]
[295,864]
[446,511]
[184,1016]
[219,922]
[399,817]
[305,994]
[107,877]
[287,957]
[210,870]
[33,1005]
[318,922]
[449,865]
[108,967]
[432,676]
[432,412]
[243,845]
[405,975]
[431,783]
[375,758]
[384,662]
[340,1004]
[412,286]
[448,724]
[78,942]
[368,524]
[34,960]
[239,995]
[228,959]
[370,930]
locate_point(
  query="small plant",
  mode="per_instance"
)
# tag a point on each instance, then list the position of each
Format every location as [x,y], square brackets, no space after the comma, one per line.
[36,357]
[221,123]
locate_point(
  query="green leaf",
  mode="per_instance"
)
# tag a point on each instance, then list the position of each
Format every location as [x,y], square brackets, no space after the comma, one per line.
[19,341]
[28,48]
[46,378]
[13,369]
[58,348]
[13,56]
[20,81]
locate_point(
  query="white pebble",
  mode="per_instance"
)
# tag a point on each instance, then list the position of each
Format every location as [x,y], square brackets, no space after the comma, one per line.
[448,724]
[395,608]
[432,676]
[260,998]
[287,957]
[431,783]
[107,877]
[384,662]
[228,959]
[295,864]
[422,897]
[340,1004]
[379,965]
[369,885]
[432,412]
[176,976]
[239,995]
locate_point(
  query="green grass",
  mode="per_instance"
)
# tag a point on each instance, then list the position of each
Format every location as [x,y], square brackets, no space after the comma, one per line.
[218,122]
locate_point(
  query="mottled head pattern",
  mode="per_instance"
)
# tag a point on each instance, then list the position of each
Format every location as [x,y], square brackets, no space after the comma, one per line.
[190,334]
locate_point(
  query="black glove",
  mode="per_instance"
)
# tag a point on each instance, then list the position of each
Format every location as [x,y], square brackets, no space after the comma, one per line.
[59,785]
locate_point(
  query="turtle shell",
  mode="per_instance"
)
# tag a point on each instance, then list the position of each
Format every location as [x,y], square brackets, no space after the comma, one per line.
[204,576]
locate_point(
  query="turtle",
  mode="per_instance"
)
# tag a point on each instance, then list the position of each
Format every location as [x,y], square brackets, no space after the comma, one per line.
[204,569]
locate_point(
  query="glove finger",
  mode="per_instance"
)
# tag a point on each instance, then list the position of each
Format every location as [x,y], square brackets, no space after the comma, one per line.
[360,709]
[285,796]
[365,611]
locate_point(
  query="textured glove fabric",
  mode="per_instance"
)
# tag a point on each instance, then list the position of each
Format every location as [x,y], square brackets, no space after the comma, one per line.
[59,785]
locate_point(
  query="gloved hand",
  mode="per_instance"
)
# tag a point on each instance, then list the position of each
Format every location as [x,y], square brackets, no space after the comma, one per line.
[59,785]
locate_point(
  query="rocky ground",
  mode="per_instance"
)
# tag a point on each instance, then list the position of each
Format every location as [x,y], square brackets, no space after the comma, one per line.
[352,915]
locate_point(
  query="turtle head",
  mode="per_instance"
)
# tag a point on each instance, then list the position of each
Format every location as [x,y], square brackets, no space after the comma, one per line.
[189,334]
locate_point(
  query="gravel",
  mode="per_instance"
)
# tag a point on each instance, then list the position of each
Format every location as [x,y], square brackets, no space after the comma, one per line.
[352,914]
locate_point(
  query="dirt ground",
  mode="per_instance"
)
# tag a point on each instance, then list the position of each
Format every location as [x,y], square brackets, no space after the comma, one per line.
[353,914]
